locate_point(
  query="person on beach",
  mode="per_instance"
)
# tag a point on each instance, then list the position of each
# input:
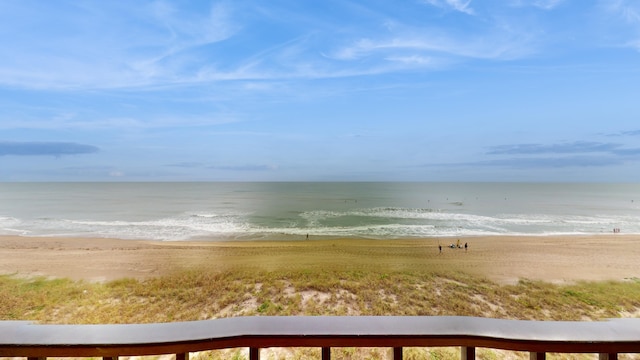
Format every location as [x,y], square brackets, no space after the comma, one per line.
[465,246]
[440,248]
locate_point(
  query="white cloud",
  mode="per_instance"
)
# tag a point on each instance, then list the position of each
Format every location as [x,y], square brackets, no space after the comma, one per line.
[486,46]
[107,44]
[627,10]
[457,5]
[634,44]
[629,14]
[185,30]
[542,4]
[162,44]
[87,122]
[412,60]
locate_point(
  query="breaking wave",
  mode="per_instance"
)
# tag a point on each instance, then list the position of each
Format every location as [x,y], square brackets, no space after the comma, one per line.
[377,222]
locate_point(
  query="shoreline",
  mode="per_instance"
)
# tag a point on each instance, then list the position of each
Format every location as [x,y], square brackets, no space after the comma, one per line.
[502,259]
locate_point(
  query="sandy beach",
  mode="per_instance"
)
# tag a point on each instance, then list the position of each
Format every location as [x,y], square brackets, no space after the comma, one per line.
[501,259]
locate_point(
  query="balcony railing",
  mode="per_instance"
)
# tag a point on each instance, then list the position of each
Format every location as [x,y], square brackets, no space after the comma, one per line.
[607,338]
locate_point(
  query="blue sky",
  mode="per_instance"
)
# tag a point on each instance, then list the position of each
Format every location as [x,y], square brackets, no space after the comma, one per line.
[412,90]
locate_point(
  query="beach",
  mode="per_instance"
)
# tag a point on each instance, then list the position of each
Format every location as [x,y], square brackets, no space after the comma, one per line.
[503,259]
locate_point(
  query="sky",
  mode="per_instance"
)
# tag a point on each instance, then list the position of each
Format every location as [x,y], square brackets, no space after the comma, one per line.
[332,90]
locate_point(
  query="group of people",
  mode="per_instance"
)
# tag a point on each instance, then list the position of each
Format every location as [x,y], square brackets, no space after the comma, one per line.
[616,230]
[452,246]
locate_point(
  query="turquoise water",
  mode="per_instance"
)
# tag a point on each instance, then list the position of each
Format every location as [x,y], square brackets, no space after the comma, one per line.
[235,211]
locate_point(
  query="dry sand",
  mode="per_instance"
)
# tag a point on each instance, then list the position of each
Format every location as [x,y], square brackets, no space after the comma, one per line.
[502,259]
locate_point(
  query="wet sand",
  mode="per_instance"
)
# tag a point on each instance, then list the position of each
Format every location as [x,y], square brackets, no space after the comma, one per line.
[504,259]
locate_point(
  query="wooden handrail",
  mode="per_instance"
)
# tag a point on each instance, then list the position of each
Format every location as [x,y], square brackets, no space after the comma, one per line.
[21,338]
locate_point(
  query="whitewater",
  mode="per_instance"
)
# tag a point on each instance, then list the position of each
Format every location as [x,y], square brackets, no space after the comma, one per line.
[297,211]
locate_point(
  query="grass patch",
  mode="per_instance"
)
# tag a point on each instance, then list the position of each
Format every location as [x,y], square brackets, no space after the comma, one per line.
[196,295]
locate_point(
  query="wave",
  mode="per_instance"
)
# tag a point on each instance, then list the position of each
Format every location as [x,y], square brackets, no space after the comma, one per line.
[182,227]
[376,222]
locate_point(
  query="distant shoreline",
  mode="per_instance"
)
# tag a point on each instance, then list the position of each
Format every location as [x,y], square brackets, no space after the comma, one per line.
[504,259]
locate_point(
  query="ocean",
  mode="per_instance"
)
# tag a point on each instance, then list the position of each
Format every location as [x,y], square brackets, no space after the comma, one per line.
[293,211]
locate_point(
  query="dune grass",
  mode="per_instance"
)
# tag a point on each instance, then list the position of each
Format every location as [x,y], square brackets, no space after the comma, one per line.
[196,295]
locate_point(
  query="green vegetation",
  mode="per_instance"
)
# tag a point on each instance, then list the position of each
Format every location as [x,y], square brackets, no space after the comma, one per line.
[197,295]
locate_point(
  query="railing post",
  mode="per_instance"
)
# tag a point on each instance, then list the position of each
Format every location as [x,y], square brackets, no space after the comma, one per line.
[182,356]
[467,353]
[254,353]
[537,356]
[397,353]
[326,353]
[608,356]
[109,358]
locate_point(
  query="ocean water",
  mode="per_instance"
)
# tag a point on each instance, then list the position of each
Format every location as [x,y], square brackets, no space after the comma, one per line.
[290,211]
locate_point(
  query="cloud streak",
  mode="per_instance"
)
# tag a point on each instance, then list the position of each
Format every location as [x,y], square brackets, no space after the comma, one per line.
[561,155]
[501,46]
[244,167]
[80,54]
[552,162]
[628,25]
[174,46]
[564,148]
[456,5]
[240,168]
[542,4]
[629,133]
[45,148]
